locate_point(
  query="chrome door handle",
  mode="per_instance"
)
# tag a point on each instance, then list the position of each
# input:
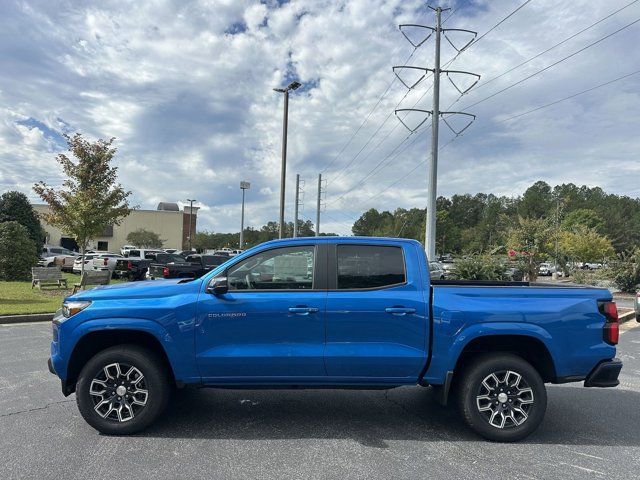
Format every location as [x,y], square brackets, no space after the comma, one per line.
[303,310]
[399,310]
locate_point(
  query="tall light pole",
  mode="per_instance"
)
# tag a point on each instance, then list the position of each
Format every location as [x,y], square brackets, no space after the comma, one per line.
[190,219]
[243,186]
[283,173]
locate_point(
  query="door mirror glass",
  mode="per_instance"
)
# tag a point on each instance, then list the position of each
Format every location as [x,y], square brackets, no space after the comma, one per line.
[218,286]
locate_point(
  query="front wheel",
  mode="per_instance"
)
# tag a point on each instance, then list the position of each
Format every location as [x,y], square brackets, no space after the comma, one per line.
[122,390]
[502,397]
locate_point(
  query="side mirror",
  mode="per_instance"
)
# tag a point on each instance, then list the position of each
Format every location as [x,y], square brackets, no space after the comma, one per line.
[218,286]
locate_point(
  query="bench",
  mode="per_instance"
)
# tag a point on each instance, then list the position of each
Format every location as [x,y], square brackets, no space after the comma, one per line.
[47,277]
[93,277]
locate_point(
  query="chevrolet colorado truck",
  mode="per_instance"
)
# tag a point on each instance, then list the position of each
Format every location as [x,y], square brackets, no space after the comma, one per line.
[333,312]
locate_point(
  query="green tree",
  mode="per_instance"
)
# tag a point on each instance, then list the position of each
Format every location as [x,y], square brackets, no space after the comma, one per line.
[583,217]
[17,252]
[584,244]
[90,199]
[14,206]
[536,201]
[530,242]
[145,239]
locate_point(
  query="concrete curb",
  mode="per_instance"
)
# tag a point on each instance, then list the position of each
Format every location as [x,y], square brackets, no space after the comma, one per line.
[627,317]
[33,317]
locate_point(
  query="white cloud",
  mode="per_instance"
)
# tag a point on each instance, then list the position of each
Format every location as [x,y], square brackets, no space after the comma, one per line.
[186,87]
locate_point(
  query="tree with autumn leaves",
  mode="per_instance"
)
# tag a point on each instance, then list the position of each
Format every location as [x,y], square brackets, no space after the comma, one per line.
[90,199]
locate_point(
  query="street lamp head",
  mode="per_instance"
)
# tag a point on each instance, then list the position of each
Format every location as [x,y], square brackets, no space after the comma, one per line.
[292,86]
[245,185]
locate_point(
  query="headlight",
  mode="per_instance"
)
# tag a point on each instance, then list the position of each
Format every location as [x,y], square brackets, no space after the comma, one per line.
[69,309]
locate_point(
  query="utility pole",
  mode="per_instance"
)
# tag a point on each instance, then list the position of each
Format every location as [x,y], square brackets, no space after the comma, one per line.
[435,113]
[318,205]
[430,233]
[297,205]
[283,171]
[190,218]
[243,186]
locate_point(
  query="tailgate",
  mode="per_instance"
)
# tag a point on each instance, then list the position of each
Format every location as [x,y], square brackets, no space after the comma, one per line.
[122,265]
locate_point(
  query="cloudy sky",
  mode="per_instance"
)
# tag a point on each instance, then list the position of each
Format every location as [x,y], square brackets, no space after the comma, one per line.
[186,89]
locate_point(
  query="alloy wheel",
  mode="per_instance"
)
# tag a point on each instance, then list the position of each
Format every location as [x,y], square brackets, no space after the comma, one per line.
[505,399]
[119,392]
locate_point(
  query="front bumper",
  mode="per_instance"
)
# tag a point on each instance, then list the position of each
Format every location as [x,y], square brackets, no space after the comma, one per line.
[605,374]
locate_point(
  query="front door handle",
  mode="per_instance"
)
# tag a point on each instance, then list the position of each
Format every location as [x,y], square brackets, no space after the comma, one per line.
[303,310]
[399,310]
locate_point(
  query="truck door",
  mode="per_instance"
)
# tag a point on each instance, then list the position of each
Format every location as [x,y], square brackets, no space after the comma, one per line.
[377,315]
[270,325]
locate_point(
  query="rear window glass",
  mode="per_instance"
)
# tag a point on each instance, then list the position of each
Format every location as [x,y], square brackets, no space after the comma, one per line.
[369,266]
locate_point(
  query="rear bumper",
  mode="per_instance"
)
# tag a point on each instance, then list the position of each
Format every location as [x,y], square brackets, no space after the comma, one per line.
[605,374]
[50,365]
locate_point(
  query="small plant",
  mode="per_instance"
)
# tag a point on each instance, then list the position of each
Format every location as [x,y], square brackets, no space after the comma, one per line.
[626,271]
[480,267]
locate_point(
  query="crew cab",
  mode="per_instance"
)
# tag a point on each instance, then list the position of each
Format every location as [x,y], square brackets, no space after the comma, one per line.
[191,266]
[176,266]
[136,263]
[327,312]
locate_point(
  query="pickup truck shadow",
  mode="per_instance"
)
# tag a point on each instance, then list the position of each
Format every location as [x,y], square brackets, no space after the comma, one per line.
[575,416]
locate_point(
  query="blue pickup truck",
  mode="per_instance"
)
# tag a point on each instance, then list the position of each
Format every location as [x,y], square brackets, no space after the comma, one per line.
[333,312]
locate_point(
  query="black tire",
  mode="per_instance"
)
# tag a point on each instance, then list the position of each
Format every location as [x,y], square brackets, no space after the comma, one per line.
[156,382]
[517,419]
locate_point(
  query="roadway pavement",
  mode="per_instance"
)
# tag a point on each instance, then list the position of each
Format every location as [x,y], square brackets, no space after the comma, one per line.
[402,433]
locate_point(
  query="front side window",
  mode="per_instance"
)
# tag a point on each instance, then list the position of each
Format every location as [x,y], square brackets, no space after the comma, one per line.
[369,266]
[289,268]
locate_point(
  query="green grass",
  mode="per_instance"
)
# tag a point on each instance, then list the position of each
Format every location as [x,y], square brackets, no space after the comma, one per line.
[19,298]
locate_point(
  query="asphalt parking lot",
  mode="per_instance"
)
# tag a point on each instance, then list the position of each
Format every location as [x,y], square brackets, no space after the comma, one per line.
[402,433]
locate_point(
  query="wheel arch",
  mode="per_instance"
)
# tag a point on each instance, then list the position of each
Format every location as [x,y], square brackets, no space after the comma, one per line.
[96,341]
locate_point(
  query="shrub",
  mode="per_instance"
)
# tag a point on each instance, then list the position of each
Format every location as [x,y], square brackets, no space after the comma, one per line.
[480,267]
[17,252]
[626,271]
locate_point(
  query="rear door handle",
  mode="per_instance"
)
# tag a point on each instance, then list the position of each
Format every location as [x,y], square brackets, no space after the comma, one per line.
[399,310]
[303,310]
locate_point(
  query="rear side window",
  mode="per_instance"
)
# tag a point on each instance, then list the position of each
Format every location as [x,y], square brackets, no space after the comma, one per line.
[369,266]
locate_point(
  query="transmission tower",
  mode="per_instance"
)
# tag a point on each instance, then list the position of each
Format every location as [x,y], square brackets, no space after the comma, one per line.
[299,205]
[322,191]
[435,113]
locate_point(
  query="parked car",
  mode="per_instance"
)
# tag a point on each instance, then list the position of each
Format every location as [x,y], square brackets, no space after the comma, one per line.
[170,250]
[170,265]
[193,266]
[436,271]
[106,261]
[334,311]
[136,262]
[637,307]
[88,260]
[125,249]
[50,253]
[545,269]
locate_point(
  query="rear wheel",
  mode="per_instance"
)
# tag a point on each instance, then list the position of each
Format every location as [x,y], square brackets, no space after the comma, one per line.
[502,397]
[122,390]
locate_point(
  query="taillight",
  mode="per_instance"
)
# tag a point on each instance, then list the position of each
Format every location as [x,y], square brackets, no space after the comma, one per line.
[611,331]
[129,265]
[165,272]
[105,262]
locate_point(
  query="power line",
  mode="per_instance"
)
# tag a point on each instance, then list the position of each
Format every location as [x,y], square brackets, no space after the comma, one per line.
[368,116]
[448,63]
[512,117]
[492,29]
[486,82]
[375,106]
[528,77]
